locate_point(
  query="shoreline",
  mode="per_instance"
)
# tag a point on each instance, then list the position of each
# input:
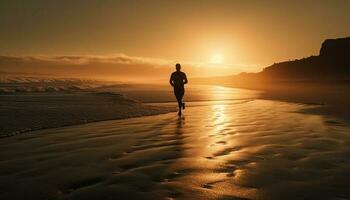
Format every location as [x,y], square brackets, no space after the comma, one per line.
[164,105]
[28,131]
[96,106]
[24,113]
[330,99]
[148,105]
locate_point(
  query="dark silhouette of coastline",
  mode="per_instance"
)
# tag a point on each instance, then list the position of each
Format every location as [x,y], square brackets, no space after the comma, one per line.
[331,64]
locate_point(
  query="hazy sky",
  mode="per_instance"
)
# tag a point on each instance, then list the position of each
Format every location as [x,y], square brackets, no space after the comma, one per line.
[232,32]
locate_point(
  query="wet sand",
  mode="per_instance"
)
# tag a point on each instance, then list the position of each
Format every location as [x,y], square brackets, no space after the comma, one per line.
[34,105]
[234,149]
[25,112]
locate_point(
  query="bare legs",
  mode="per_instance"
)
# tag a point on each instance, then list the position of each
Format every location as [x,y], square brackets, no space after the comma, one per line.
[181,105]
[179,94]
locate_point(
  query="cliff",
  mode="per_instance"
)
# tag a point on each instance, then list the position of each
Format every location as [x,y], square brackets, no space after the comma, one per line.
[333,63]
[336,49]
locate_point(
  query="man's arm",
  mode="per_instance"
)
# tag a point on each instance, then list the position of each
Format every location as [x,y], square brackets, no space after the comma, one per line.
[185,79]
[171,80]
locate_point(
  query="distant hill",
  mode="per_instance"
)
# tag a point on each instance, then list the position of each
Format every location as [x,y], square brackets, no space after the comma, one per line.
[331,65]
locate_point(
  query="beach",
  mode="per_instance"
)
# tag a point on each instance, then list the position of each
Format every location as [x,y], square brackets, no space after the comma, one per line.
[29,104]
[174,100]
[231,149]
[25,112]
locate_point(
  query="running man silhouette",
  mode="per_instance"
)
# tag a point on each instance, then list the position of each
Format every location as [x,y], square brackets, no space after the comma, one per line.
[178,80]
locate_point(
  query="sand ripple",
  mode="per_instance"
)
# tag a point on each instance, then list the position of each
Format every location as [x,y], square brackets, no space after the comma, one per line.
[227,150]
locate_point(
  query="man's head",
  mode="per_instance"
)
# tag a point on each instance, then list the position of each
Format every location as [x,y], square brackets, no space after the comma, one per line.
[178,67]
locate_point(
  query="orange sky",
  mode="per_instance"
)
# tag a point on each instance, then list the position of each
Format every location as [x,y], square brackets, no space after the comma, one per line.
[240,35]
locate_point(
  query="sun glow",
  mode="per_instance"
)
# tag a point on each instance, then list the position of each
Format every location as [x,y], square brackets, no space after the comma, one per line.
[216,59]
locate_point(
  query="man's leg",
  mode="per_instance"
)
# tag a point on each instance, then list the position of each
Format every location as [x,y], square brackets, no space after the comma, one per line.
[179,95]
[182,96]
[179,102]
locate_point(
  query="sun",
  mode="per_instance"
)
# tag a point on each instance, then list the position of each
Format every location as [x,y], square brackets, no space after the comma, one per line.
[216,59]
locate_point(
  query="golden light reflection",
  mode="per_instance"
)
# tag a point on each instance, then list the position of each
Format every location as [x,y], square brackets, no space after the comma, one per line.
[219,125]
[219,93]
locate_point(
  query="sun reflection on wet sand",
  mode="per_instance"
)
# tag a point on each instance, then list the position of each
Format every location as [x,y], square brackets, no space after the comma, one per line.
[247,150]
[237,149]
